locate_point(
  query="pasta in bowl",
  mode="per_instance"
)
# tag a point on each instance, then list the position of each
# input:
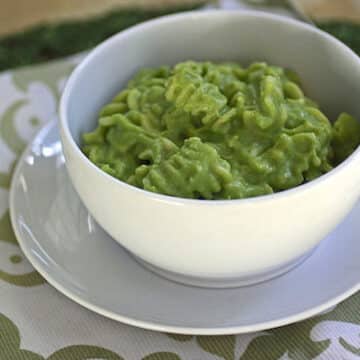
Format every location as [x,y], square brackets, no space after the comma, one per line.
[217,131]
[219,232]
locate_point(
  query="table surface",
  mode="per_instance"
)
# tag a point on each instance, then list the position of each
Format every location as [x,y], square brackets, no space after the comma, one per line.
[16,15]
[37,322]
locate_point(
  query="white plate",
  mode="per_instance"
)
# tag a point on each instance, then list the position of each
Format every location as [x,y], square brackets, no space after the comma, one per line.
[77,257]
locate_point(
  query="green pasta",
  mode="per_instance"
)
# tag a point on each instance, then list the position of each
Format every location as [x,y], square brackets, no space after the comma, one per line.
[217,131]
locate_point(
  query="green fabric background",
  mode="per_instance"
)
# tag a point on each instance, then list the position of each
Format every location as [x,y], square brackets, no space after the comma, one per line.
[50,41]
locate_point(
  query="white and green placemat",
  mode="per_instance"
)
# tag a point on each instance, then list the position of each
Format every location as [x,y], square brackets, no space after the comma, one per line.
[37,322]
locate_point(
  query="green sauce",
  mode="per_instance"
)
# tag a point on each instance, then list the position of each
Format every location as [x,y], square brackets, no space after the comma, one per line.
[217,131]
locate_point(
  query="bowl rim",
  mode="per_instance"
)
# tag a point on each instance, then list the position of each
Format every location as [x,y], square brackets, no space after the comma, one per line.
[168,19]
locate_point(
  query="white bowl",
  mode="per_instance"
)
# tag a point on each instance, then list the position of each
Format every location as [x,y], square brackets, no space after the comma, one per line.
[214,243]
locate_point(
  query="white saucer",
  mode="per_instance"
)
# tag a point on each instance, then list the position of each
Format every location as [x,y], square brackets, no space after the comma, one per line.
[77,257]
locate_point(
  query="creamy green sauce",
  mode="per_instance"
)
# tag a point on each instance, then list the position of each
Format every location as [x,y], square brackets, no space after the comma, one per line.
[217,131]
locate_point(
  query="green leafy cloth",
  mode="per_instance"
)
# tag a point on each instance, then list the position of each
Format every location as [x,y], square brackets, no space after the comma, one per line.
[50,41]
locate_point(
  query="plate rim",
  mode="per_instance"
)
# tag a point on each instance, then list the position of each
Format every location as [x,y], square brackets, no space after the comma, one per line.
[144,324]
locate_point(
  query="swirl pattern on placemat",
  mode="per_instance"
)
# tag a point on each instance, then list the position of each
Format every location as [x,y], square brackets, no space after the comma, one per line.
[38,323]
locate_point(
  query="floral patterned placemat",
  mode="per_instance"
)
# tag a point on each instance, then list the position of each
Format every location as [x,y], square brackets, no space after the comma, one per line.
[38,323]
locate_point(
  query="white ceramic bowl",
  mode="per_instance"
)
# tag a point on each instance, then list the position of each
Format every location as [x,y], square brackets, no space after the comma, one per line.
[214,243]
